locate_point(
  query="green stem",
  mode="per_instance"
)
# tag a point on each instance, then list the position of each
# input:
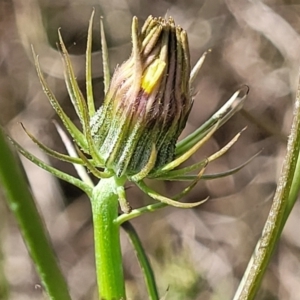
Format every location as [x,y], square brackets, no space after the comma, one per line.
[294,192]
[108,254]
[143,260]
[284,199]
[4,287]
[22,205]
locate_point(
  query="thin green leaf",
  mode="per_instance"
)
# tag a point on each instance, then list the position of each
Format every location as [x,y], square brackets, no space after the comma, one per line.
[143,261]
[72,129]
[105,58]
[156,206]
[81,171]
[223,150]
[89,86]
[72,180]
[53,153]
[179,160]
[156,196]
[192,185]
[93,151]
[72,85]
[183,171]
[197,67]
[209,176]
[179,172]
[232,106]
[85,117]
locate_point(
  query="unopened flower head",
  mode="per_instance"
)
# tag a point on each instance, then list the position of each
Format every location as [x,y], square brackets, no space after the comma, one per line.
[148,101]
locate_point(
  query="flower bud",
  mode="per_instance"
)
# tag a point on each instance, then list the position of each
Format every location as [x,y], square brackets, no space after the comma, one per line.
[148,101]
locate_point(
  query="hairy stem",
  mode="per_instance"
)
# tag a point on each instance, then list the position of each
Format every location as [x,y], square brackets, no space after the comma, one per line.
[107,239]
[21,203]
[285,196]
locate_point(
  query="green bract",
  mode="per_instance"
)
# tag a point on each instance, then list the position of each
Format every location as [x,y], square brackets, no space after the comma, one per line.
[147,102]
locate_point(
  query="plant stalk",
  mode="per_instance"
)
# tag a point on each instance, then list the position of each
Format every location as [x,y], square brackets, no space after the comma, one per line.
[143,260]
[108,254]
[284,199]
[22,205]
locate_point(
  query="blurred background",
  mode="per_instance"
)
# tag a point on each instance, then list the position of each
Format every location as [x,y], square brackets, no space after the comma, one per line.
[199,253]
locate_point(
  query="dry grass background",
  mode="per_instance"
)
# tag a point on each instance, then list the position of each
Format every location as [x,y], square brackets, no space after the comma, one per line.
[200,253]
